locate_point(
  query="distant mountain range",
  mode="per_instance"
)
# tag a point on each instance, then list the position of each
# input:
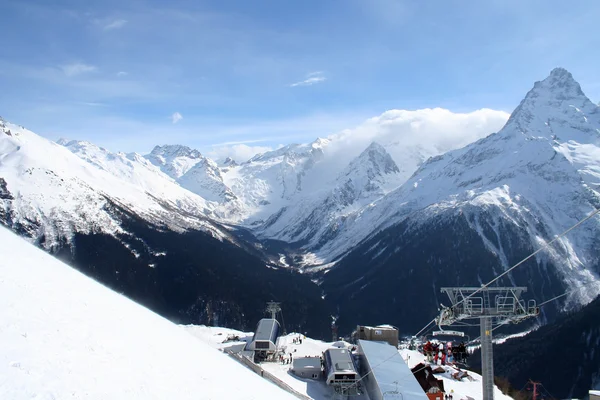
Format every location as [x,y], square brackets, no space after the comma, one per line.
[201,241]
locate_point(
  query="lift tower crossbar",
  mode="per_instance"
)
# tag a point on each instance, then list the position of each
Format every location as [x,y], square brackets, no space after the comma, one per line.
[500,305]
[273,308]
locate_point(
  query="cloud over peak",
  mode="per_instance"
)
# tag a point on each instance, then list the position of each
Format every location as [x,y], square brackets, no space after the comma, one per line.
[311,79]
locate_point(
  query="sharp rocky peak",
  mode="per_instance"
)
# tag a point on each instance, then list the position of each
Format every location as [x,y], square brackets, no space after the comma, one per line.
[172,151]
[375,157]
[555,101]
[561,84]
[230,162]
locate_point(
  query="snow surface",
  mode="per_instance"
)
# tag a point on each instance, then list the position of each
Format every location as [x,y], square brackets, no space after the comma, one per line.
[64,336]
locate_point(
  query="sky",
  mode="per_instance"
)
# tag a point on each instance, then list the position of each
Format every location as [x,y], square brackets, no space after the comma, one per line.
[253,75]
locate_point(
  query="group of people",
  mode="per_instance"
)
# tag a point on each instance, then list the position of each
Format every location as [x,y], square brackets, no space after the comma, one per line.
[437,354]
[286,359]
[297,340]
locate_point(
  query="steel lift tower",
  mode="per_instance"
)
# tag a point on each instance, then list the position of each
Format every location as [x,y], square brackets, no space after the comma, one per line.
[492,306]
[273,308]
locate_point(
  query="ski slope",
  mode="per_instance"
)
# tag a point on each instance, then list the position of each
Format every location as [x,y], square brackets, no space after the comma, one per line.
[65,336]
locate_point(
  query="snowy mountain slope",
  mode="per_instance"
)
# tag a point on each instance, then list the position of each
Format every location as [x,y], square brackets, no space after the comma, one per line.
[132,168]
[196,173]
[205,179]
[56,193]
[478,210]
[271,180]
[368,177]
[545,157]
[63,335]
[174,160]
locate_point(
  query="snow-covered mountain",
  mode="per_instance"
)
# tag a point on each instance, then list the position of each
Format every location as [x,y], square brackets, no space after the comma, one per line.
[194,172]
[367,178]
[55,193]
[274,179]
[174,160]
[205,179]
[121,220]
[478,210]
[62,335]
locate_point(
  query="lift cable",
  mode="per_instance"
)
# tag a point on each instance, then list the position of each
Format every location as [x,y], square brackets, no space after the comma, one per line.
[545,245]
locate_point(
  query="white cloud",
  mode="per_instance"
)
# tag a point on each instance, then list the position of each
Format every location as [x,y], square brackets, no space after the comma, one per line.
[239,152]
[122,73]
[77,69]
[402,132]
[116,24]
[176,117]
[311,79]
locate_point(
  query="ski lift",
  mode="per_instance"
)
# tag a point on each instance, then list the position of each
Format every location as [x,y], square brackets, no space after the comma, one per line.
[451,334]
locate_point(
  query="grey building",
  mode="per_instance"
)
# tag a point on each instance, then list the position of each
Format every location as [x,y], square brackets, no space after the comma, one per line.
[307,367]
[265,336]
[340,371]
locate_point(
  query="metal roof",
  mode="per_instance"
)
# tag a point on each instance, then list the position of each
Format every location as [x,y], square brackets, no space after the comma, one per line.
[341,360]
[394,378]
[267,329]
[307,362]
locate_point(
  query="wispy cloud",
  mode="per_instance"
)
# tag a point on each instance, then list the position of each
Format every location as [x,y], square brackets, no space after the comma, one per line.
[121,74]
[77,69]
[311,79]
[176,117]
[116,24]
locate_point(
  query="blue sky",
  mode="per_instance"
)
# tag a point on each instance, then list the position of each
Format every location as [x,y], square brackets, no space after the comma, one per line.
[272,72]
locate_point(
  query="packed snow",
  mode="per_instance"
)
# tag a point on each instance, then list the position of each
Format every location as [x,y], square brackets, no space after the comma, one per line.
[62,335]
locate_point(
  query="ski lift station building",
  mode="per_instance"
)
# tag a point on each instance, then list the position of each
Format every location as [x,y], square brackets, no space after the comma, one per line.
[381,333]
[385,374]
[340,371]
[265,336]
